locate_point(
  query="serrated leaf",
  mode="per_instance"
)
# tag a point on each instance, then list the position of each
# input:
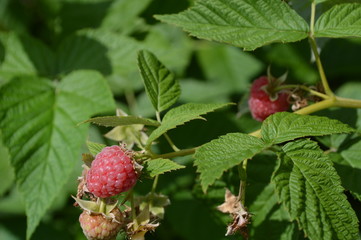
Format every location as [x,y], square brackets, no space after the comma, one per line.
[113,121]
[95,148]
[284,126]
[160,84]
[244,23]
[159,166]
[180,115]
[219,155]
[342,20]
[39,128]
[310,188]
[348,166]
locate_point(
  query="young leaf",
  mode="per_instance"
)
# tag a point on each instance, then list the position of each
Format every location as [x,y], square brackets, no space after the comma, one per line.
[158,166]
[217,156]
[310,188]
[244,23]
[45,147]
[160,84]
[113,121]
[95,148]
[284,126]
[342,20]
[179,115]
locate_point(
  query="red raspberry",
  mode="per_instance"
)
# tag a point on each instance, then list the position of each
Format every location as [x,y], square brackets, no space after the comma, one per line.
[261,105]
[112,172]
[98,227]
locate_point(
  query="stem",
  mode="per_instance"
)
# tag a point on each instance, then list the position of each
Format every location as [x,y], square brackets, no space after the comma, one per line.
[315,51]
[320,67]
[130,98]
[154,186]
[242,171]
[347,102]
[290,86]
[183,152]
[173,146]
[169,140]
[134,214]
[312,20]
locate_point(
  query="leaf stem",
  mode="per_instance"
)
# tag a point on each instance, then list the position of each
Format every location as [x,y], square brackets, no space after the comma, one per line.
[312,20]
[132,206]
[155,183]
[324,81]
[242,171]
[315,51]
[295,86]
[183,152]
[169,140]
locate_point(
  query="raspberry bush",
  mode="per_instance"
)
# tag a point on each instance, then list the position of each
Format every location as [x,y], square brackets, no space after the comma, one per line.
[101,119]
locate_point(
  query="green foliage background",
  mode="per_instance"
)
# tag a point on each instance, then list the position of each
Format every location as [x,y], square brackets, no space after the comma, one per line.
[62,62]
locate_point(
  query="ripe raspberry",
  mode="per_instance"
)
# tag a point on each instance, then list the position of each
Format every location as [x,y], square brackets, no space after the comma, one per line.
[98,227]
[112,172]
[260,103]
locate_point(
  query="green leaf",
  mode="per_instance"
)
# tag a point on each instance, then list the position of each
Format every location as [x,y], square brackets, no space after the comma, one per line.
[113,121]
[95,148]
[160,84]
[311,190]
[112,54]
[6,170]
[227,66]
[348,166]
[244,23]
[25,55]
[219,155]
[180,115]
[122,16]
[171,46]
[39,128]
[342,20]
[159,166]
[211,92]
[284,126]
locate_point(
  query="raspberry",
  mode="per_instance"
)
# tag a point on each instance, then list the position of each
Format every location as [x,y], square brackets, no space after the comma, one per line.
[112,172]
[260,103]
[98,227]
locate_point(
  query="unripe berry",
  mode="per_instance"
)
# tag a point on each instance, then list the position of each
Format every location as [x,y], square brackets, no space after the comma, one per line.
[99,227]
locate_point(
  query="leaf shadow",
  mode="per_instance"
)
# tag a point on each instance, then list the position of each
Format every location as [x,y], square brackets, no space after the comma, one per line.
[82,52]
[90,16]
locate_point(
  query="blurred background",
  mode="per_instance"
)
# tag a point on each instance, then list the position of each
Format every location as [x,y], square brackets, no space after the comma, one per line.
[105,36]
